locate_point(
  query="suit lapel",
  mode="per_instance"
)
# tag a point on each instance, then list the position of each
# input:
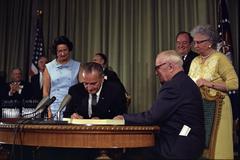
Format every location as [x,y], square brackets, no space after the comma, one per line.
[85,104]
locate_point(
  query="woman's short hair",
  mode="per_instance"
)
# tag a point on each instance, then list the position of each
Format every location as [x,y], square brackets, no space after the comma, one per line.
[61,40]
[208,31]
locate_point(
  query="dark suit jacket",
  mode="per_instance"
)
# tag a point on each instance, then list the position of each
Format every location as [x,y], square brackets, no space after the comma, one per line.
[111,102]
[178,103]
[37,92]
[3,91]
[187,62]
[112,76]
[25,94]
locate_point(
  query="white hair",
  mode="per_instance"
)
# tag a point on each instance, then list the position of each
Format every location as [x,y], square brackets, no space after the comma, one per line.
[171,56]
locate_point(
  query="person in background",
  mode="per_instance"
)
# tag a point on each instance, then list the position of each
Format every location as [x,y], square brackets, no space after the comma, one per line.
[183,47]
[214,70]
[101,58]
[37,80]
[60,74]
[18,89]
[95,97]
[178,108]
[109,74]
[3,90]
[3,85]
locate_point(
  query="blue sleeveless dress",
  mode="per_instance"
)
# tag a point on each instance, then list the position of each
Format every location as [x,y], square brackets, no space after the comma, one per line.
[63,76]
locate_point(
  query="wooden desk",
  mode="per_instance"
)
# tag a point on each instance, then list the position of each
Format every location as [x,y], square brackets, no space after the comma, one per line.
[79,136]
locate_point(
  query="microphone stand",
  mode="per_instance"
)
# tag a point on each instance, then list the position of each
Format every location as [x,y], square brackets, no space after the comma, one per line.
[58,115]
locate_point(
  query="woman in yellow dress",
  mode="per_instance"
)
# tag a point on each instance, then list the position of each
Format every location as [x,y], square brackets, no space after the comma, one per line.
[214,70]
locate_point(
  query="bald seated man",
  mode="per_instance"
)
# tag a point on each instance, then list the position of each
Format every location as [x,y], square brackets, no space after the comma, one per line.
[177,111]
[95,97]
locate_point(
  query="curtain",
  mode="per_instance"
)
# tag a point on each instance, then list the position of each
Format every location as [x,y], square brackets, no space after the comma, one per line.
[129,32]
[15,24]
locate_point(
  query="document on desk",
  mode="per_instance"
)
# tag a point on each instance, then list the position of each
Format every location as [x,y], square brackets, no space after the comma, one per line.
[94,121]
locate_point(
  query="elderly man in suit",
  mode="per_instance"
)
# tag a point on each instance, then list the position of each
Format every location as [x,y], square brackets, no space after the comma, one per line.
[95,97]
[177,110]
[17,88]
[183,47]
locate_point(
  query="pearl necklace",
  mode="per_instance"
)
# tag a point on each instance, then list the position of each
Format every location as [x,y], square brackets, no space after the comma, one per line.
[205,57]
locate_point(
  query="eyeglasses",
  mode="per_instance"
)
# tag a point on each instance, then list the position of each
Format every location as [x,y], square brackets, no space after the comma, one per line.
[159,66]
[184,43]
[199,42]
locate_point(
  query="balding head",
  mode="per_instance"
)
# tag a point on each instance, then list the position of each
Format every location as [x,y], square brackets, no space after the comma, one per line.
[170,56]
[168,63]
[92,77]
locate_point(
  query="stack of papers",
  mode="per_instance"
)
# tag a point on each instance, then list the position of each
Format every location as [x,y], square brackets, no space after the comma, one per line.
[94,121]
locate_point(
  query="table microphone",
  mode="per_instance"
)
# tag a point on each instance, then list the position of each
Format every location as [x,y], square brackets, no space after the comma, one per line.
[39,105]
[47,103]
[43,101]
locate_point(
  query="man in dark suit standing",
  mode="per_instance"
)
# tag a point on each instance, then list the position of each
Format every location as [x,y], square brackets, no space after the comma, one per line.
[95,97]
[183,47]
[37,80]
[177,110]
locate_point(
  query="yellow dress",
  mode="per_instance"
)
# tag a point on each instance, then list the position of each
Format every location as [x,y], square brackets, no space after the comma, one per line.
[218,68]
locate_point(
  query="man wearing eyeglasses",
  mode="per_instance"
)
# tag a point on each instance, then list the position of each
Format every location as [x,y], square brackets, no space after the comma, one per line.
[177,110]
[183,47]
[94,97]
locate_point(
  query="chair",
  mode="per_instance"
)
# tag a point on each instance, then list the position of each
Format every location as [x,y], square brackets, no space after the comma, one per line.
[212,106]
[128,98]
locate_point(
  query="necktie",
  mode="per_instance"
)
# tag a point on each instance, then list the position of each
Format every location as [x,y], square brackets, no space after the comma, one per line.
[94,99]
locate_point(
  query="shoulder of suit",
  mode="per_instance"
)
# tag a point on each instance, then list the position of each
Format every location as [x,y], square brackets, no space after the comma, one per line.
[108,71]
[194,54]
[112,85]
[79,88]
[35,76]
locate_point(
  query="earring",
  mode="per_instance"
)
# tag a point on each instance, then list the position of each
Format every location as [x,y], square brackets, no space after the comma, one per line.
[210,46]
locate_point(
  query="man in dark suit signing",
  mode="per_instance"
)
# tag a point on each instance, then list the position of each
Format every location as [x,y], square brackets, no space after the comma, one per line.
[177,110]
[183,47]
[95,97]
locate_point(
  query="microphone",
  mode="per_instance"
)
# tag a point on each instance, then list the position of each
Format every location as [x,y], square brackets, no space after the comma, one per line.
[45,105]
[39,105]
[43,101]
[63,104]
[48,103]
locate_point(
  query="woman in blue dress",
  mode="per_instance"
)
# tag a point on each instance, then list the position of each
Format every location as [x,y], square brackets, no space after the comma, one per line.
[60,74]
